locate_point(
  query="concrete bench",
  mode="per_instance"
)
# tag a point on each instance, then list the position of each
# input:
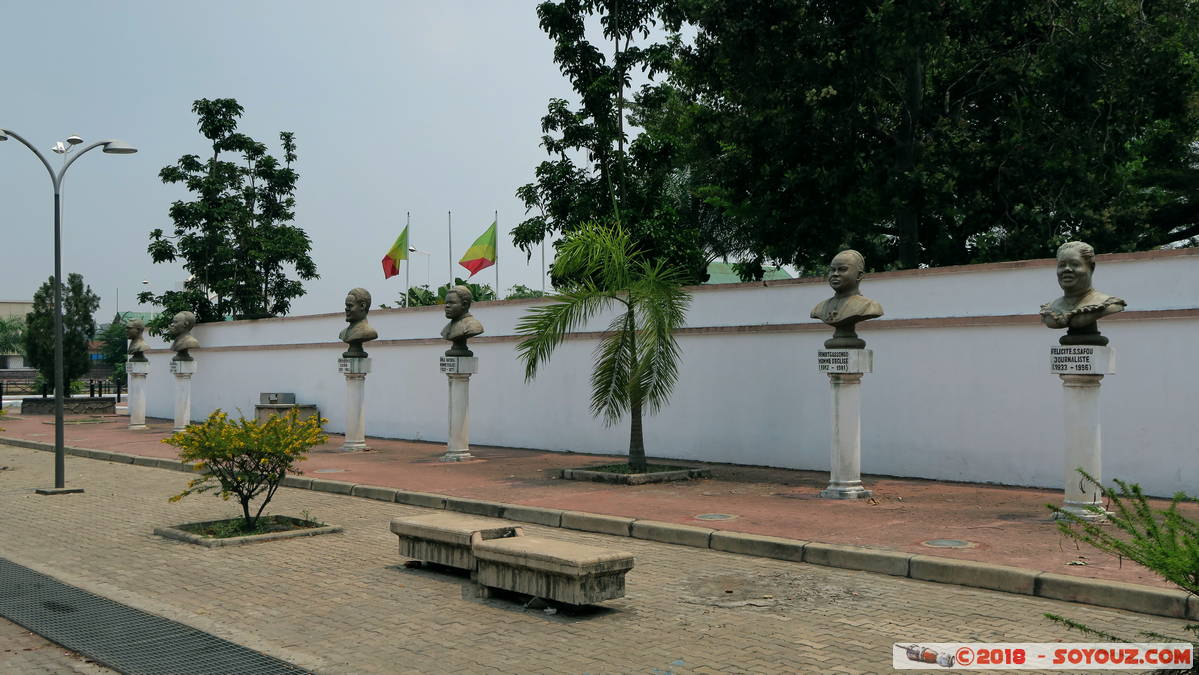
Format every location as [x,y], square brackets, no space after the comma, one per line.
[557,570]
[445,538]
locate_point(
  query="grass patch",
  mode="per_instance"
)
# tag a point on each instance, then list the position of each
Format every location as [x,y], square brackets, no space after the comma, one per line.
[235,527]
[626,469]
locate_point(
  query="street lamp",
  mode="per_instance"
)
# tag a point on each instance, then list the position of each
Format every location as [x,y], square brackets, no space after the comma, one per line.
[111,146]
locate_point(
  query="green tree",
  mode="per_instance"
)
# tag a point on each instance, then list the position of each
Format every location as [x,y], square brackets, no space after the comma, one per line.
[935,133]
[520,292]
[594,173]
[235,238]
[114,347]
[478,292]
[636,363]
[78,328]
[12,335]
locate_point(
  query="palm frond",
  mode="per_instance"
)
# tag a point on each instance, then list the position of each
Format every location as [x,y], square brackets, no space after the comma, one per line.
[545,327]
[661,305]
[597,254]
[610,378]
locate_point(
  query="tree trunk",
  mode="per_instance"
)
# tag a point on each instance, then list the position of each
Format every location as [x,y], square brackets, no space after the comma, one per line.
[636,440]
[908,216]
[245,511]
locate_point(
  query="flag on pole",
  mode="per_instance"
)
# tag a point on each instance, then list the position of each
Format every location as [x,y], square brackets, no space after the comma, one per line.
[481,254]
[398,252]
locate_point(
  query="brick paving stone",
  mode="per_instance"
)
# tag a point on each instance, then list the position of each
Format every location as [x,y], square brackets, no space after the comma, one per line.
[25,653]
[345,603]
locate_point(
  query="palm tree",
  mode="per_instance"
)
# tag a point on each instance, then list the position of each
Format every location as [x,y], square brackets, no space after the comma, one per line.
[636,362]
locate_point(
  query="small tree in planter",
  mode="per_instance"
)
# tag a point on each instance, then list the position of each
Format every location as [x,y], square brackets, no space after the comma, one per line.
[245,458]
[637,361]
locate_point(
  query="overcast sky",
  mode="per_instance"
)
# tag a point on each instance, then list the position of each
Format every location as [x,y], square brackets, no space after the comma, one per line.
[397,106]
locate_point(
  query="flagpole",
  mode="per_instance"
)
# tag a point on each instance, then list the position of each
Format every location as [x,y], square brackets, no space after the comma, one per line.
[543,263]
[408,261]
[449,222]
[496,222]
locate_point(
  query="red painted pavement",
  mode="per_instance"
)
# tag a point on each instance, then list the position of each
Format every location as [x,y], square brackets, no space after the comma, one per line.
[1006,525]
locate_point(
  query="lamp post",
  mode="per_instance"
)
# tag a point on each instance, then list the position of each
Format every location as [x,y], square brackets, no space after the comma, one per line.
[111,146]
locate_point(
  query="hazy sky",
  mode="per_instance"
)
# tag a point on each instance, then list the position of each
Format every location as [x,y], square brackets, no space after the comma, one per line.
[397,106]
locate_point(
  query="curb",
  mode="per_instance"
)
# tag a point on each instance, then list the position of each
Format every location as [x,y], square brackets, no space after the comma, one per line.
[209,542]
[1114,594]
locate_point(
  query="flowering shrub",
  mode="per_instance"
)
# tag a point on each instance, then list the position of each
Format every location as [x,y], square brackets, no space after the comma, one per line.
[245,458]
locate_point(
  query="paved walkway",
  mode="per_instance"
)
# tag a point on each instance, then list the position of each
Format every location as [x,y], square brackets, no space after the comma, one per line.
[25,653]
[1002,525]
[345,603]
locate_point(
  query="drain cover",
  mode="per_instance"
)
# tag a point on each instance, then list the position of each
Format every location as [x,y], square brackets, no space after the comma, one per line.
[715,516]
[118,636]
[329,471]
[947,543]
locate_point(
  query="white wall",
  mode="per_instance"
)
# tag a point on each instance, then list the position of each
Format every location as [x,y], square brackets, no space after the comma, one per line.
[954,399]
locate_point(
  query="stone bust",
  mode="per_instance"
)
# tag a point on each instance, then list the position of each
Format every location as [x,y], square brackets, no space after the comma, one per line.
[181,329]
[463,325]
[134,330]
[358,303]
[848,306]
[1081,306]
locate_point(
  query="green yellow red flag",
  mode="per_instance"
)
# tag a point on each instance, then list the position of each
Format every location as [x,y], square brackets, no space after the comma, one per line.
[481,254]
[398,252]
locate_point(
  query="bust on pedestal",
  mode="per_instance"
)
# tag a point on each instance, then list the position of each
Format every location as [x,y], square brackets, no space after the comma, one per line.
[355,365]
[137,368]
[183,366]
[845,359]
[1081,362]
[459,363]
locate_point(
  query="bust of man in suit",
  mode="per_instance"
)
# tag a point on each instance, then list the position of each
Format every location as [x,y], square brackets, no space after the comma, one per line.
[181,329]
[848,306]
[463,325]
[1081,306]
[358,303]
[134,329]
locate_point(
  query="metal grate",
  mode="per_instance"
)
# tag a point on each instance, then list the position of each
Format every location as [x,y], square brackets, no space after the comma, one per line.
[120,637]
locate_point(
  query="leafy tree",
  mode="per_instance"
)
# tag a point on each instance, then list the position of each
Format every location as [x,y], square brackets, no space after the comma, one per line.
[636,363]
[114,347]
[594,173]
[235,237]
[934,133]
[422,296]
[245,459]
[78,328]
[520,292]
[418,296]
[478,291]
[12,335]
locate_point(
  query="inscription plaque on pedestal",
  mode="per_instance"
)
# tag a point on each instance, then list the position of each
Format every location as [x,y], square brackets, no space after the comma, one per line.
[845,360]
[1082,360]
[358,366]
[183,367]
[459,364]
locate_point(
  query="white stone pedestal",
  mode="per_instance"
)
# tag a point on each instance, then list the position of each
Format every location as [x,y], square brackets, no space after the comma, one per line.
[1081,369]
[183,371]
[355,371]
[458,370]
[845,368]
[137,372]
